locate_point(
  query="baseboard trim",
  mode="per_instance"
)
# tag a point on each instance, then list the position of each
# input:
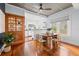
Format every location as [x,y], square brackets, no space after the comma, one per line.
[70,44]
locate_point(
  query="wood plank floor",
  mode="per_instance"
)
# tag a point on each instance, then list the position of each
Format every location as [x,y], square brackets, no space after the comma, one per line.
[35,48]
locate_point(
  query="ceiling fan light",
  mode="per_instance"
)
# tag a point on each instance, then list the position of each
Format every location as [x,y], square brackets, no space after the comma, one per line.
[40,10]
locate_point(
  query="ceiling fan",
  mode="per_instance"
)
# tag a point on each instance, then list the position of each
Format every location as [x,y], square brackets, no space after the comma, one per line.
[41,7]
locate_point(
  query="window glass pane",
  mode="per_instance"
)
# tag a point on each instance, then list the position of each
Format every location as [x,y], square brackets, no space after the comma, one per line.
[54,28]
[60,27]
[63,27]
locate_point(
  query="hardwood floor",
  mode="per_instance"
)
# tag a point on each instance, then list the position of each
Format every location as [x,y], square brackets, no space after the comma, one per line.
[35,48]
[72,49]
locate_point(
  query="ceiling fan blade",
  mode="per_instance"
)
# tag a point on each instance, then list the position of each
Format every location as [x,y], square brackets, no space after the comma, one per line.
[47,9]
[41,7]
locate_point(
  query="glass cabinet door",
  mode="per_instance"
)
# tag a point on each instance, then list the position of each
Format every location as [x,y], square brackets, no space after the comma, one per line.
[19,24]
[11,23]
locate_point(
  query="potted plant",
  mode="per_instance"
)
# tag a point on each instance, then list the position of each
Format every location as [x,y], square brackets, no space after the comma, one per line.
[8,39]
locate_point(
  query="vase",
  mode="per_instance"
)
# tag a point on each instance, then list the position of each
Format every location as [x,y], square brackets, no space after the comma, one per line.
[7,49]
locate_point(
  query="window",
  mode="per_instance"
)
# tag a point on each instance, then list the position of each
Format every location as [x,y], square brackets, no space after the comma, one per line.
[61,27]
[54,28]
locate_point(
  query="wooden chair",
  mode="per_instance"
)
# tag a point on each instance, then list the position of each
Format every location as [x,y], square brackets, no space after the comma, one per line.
[44,38]
[56,43]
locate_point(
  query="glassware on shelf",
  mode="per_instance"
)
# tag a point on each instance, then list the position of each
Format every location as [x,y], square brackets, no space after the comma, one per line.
[19,24]
[19,28]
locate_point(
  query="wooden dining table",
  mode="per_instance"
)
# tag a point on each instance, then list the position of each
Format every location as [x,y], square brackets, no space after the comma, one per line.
[51,41]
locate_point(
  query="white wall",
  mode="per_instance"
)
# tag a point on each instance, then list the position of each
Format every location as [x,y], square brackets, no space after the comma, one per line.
[75,23]
[2,22]
[37,20]
[73,15]
[14,10]
[34,19]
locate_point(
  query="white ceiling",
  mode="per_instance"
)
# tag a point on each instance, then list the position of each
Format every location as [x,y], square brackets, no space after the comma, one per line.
[34,7]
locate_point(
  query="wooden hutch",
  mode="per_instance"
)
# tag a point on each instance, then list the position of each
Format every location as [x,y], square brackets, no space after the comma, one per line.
[15,24]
